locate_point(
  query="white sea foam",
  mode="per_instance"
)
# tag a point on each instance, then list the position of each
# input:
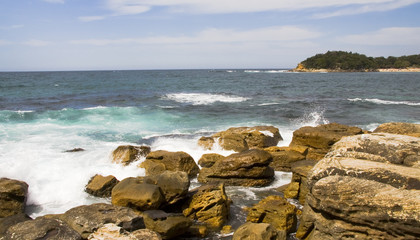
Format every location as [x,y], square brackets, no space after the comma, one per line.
[203,98]
[265,71]
[386,102]
[268,104]
[267,133]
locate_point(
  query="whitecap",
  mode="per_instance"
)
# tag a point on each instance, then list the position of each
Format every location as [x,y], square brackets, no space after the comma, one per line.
[203,98]
[385,102]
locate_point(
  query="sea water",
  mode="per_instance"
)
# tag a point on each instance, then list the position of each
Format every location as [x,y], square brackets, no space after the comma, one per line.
[45,114]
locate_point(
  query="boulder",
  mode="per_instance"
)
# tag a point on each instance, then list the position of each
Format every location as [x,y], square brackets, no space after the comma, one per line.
[410,129]
[42,228]
[258,231]
[114,232]
[13,195]
[208,204]
[283,157]
[247,168]
[174,185]
[298,188]
[100,186]
[127,154]
[167,225]
[206,142]
[158,161]
[7,222]
[365,188]
[276,211]
[133,193]
[243,138]
[319,139]
[207,160]
[86,219]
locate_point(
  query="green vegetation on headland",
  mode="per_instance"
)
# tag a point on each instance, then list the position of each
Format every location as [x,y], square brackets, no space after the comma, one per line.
[338,61]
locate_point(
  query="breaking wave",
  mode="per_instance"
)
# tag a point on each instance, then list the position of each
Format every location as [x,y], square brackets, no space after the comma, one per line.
[203,98]
[385,102]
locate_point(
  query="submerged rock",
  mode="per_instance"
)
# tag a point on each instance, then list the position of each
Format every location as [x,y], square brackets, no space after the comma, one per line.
[13,195]
[101,186]
[258,231]
[158,161]
[410,129]
[247,168]
[127,154]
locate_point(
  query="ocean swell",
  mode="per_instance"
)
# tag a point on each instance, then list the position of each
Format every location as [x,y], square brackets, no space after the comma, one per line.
[203,98]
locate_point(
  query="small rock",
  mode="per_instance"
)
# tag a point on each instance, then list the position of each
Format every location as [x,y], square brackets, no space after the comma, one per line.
[127,154]
[101,186]
[208,160]
[167,225]
[257,231]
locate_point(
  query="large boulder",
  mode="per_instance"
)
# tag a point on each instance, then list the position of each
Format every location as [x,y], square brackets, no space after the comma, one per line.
[133,193]
[42,228]
[208,160]
[86,219]
[13,194]
[319,139]
[7,222]
[258,231]
[283,157]
[209,204]
[167,225]
[158,161]
[127,154]
[247,168]
[174,185]
[410,129]
[240,139]
[276,211]
[101,186]
[114,232]
[367,187]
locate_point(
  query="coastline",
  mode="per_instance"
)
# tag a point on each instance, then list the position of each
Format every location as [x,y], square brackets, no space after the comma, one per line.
[393,70]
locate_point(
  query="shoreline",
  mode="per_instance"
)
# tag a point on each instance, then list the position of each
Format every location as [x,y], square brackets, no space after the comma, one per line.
[385,70]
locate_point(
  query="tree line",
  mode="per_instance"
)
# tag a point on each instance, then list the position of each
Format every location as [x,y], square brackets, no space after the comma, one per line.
[348,61]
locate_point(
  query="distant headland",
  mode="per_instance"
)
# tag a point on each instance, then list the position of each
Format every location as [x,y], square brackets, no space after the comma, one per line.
[341,61]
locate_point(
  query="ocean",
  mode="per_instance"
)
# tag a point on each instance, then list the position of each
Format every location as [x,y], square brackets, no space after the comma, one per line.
[44,114]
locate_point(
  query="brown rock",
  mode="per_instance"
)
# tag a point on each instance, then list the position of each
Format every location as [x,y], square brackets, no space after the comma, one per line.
[258,231]
[114,232]
[128,154]
[208,160]
[133,193]
[410,129]
[174,185]
[158,161]
[167,225]
[206,142]
[13,194]
[283,157]
[7,222]
[209,204]
[101,186]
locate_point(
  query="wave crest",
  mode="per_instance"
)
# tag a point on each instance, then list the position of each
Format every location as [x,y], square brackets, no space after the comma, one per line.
[385,102]
[203,98]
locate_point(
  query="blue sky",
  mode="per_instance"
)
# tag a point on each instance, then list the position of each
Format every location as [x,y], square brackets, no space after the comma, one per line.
[188,34]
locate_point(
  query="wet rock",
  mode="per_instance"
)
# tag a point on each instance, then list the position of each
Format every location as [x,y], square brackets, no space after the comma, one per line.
[7,222]
[283,157]
[298,188]
[209,204]
[319,139]
[258,231]
[114,232]
[42,228]
[127,154]
[133,193]
[167,225]
[206,142]
[247,168]
[174,185]
[86,219]
[75,150]
[13,195]
[101,186]
[276,211]
[208,160]
[158,161]
[410,129]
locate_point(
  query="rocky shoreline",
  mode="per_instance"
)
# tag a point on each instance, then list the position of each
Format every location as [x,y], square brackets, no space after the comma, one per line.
[351,183]
[301,68]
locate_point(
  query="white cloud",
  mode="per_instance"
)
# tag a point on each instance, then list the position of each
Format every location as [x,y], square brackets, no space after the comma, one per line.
[37,43]
[54,1]
[213,35]
[401,36]
[90,18]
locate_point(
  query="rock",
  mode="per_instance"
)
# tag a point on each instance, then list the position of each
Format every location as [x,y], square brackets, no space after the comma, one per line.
[257,231]
[209,204]
[86,219]
[206,142]
[42,228]
[247,168]
[114,232]
[226,229]
[158,161]
[283,157]
[320,139]
[174,185]
[133,193]
[243,138]
[207,160]
[276,211]
[101,186]
[197,230]
[365,189]
[7,222]
[410,129]
[127,154]
[13,194]
[298,187]
[75,150]
[167,225]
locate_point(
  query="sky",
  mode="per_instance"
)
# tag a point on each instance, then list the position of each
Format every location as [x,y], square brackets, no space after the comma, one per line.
[55,35]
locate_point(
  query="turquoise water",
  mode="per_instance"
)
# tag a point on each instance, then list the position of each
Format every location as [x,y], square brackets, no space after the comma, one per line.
[43,114]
